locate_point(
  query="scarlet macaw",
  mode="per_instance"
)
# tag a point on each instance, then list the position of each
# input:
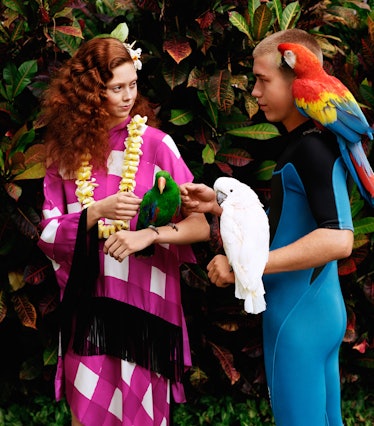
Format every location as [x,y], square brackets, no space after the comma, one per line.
[328,101]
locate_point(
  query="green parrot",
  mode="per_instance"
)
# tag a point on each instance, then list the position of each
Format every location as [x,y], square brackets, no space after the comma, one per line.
[160,205]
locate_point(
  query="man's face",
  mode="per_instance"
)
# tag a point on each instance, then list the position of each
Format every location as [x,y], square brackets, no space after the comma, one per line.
[273,90]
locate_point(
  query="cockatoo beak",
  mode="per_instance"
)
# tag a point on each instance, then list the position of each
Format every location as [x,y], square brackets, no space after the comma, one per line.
[161,183]
[221,197]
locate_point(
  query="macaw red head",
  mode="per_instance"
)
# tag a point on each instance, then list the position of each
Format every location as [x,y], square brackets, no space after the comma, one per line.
[298,57]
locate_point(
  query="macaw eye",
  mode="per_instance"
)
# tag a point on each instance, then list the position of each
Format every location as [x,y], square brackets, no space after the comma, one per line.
[231,190]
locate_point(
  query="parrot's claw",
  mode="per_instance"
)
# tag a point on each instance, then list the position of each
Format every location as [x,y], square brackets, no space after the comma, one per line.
[173,225]
[153,228]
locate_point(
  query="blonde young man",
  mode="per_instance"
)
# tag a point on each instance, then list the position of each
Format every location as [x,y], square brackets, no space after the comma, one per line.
[311,228]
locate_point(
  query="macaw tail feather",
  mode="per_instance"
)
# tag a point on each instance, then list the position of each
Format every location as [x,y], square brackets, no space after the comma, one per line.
[359,167]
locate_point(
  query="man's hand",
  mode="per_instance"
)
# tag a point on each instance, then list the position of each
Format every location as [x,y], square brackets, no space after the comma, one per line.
[220,272]
[199,198]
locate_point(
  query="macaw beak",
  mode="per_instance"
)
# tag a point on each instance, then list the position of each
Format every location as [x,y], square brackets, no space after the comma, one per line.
[221,197]
[161,183]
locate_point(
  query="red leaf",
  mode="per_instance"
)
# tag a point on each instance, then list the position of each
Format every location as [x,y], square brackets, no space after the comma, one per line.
[3,305]
[178,48]
[208,41]
[236,157]
[225,168]
[350,333]
[35,274]
[361,347]
[71,31]
[226,360]
[215,242]
[347,266]
[48,304]
[369,289]
[206,19]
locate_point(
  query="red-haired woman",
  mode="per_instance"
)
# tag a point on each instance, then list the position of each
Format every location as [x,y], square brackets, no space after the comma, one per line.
[124,344]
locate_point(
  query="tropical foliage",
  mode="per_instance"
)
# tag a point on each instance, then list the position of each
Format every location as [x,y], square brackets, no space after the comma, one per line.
[197,72]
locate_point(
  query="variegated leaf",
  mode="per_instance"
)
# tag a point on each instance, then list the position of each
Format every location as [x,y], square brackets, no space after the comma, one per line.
[179,48]
[226,360]
[25,310]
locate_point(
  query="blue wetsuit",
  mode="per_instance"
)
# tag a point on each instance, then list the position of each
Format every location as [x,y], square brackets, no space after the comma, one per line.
[305,319]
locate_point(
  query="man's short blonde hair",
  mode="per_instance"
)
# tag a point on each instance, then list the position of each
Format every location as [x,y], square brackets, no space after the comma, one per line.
[269,45]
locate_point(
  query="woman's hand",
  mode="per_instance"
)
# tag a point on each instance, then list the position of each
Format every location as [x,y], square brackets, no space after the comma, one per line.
[124,243]
[119,206]
[220,272]
[199,198]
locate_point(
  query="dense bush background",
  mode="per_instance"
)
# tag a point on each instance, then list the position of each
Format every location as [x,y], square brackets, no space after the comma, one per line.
[197,73]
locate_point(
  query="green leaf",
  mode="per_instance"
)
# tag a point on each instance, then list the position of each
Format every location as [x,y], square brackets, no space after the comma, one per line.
[24,140]
[364,225]
[121,32]
[16,5]
[367,93]
[290,15]
[36,171]
[50,355]
[220,90]
[239,22]
[18,31]
[10,74]
[262,20]
[252,6]
[233,121]
[180,117]
[4,95]
[277,7]
[26,72]
[265,171]
[257,131]
[208,155]
[210,107]
[250,104]
[175,74]
[67,43]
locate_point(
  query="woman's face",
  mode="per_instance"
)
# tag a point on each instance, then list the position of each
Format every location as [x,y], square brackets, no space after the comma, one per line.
[121,93]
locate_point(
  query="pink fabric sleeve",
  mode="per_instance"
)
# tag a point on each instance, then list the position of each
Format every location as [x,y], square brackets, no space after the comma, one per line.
[59,228]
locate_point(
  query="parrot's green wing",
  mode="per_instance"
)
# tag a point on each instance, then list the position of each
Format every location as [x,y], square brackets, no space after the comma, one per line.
[160,206]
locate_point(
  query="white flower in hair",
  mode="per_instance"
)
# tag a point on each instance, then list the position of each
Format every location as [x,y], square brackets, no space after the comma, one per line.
[135,55]
[121,32]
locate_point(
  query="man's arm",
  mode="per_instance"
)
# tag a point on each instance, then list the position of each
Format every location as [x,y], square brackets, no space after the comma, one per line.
[315,249]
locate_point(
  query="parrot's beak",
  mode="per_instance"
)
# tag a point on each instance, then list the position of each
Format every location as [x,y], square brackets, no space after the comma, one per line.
[221,197]
[161,183]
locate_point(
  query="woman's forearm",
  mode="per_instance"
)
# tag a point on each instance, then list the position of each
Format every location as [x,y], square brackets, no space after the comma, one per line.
[191,229]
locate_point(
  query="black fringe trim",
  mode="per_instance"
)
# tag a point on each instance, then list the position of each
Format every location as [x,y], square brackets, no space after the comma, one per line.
[82,279]
[107,326]
[124,331]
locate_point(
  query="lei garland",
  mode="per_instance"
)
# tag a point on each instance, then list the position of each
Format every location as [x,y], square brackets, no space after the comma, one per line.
[86,184]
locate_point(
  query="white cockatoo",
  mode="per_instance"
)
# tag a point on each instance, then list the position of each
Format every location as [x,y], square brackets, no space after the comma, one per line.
[244,228]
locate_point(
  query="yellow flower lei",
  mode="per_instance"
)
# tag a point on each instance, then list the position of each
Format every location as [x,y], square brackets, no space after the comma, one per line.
[86,184]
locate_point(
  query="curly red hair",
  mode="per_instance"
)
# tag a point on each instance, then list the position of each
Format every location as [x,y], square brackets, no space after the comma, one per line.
[74,104]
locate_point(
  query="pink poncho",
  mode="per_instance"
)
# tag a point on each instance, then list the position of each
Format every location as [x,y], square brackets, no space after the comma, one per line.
[104,389]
